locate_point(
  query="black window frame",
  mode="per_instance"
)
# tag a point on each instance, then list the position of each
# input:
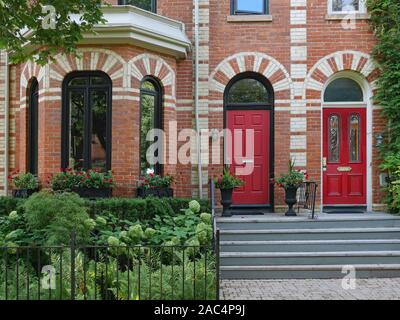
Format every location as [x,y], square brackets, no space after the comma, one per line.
[234,10]
[153,5]
[87,89]
[33,128]
[158,114]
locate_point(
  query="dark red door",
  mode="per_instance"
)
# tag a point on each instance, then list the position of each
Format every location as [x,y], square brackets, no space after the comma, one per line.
[256,188]
[345,156]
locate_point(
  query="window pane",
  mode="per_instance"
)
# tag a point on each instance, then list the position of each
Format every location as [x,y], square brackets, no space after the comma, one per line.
[99,130]
[345,5]
[143,4]
[250,6]
[149,86]
[148,104]
[248,91]
[77,115]
[354,138]
[334,138]
[343,90]
[78,82]
[98,81]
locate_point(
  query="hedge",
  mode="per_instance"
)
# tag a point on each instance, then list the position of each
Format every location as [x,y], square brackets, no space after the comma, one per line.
[123,208]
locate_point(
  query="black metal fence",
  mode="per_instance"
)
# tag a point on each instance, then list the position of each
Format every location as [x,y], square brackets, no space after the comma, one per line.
[78,272]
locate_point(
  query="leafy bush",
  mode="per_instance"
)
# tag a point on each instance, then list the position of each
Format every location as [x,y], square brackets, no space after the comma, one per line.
[24,181]
[151,180]
[56,216]
[8,204]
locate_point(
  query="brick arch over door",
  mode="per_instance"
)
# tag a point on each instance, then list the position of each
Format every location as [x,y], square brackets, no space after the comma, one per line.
[260,63]
[339,61]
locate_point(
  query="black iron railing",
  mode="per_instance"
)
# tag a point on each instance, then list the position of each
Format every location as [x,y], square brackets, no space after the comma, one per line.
[307,196]
[79,272]
[216,237]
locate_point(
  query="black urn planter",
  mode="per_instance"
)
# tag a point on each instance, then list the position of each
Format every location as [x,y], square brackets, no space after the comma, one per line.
[163,192]
[291,200]
[93,193]
[24,193]
[226,201]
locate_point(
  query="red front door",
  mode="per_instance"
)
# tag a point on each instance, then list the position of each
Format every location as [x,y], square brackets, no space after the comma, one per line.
[256,190]
[344,156]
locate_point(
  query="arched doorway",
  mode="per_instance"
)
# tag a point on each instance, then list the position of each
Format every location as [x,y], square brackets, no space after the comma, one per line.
[345,148]
[249,120]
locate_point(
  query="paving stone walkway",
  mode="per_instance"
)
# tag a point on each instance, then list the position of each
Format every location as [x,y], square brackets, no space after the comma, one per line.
[366,289]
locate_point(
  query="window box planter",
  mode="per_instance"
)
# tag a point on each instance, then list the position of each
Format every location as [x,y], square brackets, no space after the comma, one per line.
[161,192]
[24,193]
[93,193]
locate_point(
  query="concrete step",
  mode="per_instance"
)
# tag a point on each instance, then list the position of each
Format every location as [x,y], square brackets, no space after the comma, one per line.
[310,234]
[257,223]
[310,245]
[309,258]
[308,272]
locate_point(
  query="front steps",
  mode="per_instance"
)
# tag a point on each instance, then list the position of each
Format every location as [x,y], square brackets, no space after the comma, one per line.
[298,248]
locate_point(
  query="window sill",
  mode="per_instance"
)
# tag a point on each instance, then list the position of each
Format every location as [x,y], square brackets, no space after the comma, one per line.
[341,16]
[249,18]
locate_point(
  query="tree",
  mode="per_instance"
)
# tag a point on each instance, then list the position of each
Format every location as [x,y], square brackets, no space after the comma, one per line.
[48,26]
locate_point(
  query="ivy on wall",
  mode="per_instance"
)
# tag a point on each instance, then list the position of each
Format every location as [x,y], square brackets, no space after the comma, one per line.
[385,21]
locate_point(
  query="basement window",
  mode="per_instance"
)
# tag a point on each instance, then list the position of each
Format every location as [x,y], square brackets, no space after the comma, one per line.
[149,5]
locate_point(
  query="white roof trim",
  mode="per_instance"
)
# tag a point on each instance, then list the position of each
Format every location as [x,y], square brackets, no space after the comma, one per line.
[129,24]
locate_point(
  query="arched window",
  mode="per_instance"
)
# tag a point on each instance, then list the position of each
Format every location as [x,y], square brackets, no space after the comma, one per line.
[150,118]
[33,125]
[248,89]
[343,90]
[86,138]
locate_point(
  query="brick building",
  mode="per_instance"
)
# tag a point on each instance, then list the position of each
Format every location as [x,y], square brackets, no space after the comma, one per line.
[298,72]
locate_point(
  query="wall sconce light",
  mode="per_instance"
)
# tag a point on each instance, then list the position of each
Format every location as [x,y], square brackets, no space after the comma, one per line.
[379,139]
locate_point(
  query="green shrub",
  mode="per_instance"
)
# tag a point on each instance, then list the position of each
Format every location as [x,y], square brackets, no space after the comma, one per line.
[57,215]
[141,209]
[8,204]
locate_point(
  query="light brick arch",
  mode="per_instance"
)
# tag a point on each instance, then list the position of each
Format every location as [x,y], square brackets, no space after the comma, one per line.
[30,70]
[257,62]
[152,65]
[339,61]
[89,59]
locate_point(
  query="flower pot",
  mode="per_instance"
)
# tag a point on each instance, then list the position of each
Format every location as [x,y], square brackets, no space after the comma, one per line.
[226,201]
[161,192]
[291,200]
[93,193]
[24,193]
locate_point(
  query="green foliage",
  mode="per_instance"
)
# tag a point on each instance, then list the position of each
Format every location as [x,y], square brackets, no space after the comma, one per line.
[155,181]
[8,204]
[385,21]
[228,181]
[17,16]
[56,215]
[24,181]
[68,180]
[293,178]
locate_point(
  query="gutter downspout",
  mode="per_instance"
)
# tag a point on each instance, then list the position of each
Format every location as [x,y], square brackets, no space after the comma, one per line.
[7,116]
[196,96]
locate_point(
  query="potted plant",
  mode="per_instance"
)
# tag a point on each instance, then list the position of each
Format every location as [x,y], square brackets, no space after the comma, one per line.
[152,185]
[90,184]
[227,183]
[291,182]
[25,184]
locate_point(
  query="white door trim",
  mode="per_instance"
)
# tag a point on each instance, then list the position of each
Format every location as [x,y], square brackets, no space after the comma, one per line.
[368,104]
